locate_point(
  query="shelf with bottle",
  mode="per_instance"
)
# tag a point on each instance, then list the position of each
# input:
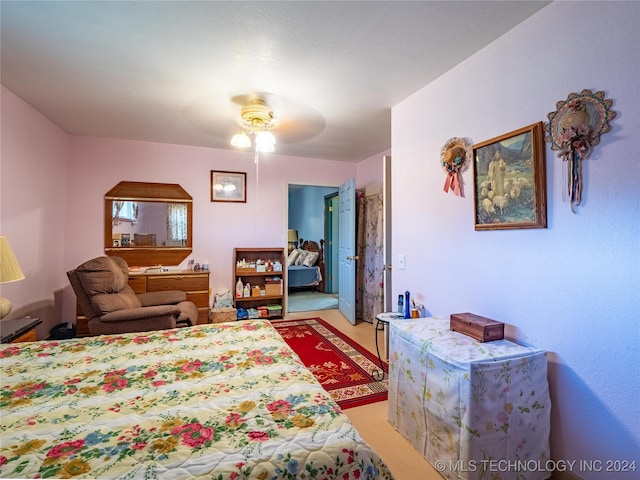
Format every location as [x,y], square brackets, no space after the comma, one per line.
[259,301]
[258,277]
[258,266]
[266,287]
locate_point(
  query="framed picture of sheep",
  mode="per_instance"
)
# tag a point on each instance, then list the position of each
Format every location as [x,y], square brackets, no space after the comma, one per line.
[509,179]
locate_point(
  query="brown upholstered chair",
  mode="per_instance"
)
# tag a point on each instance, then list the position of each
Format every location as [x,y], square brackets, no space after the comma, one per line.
[111,305]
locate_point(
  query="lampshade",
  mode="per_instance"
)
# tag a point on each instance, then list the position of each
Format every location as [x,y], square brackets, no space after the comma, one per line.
[292,235]
[265,142]
[10,271]
[241,140]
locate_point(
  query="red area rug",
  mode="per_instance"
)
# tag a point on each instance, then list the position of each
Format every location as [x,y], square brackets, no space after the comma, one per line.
[343,367]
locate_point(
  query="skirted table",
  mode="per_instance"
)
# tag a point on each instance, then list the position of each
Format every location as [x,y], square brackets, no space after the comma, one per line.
[473,410]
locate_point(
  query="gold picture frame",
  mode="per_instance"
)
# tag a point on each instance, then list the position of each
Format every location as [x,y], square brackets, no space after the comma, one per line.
[509,179]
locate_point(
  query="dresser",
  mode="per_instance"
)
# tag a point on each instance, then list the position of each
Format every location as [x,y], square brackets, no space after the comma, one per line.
[194,283]
[472,409]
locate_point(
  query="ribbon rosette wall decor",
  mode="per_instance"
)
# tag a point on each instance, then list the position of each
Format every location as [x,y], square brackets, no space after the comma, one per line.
[574,129]
[454,158]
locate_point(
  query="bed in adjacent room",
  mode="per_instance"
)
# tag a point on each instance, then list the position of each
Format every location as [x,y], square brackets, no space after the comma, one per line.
[305,265]
[221,401]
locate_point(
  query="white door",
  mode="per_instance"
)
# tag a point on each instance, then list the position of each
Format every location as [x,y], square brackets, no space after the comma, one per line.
[347,250]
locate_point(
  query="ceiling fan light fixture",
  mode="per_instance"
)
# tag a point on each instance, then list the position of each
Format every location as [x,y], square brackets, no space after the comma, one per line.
[265,142]
[258,115]
[257,119]
[241,140]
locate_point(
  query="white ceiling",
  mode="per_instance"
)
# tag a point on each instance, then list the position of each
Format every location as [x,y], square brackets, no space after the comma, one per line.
[178,71]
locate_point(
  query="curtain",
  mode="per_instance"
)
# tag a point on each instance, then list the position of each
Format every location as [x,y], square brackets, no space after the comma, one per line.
[369,245]
[177,224]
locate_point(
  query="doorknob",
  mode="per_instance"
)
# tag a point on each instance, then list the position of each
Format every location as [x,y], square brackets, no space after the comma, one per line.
[353,257]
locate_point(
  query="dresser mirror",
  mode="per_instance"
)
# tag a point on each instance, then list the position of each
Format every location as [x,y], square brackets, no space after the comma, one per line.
[148,223]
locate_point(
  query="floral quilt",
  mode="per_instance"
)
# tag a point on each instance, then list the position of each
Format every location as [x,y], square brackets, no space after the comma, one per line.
[224,401]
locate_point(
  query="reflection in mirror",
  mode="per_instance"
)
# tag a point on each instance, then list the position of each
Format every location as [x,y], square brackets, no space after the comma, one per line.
[149,224]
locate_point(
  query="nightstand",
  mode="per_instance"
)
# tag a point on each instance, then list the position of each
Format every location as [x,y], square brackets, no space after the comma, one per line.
[19,330]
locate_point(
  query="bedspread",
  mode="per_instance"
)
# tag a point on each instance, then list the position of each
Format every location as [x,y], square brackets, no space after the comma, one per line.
[222,401]
[301,276]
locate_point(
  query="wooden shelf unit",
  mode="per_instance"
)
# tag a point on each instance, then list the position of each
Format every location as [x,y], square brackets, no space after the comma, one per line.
[255,278]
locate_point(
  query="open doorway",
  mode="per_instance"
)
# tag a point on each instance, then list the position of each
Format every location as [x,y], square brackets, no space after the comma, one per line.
[314,223]
[311,278]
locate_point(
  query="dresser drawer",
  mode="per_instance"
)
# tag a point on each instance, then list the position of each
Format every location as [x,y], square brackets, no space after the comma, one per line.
[138,284]
[200,299]
[186,283]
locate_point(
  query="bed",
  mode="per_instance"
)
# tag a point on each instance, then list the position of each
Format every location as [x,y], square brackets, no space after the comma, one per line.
[305,265]
[222,401]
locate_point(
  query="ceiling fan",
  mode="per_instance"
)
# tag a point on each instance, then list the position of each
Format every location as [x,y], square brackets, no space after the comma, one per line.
[257,119]
[291,120]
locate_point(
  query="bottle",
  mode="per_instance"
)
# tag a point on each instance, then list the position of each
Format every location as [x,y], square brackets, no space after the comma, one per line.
[247,290]
[400,305]
[239,288]
[407,305]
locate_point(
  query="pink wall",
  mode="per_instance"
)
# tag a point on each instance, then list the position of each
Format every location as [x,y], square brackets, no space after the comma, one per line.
[572,288]
[97,164]
[52,201]
[371,170]
[33,173]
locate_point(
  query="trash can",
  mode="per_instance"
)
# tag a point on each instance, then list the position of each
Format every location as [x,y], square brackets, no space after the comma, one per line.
[63,331]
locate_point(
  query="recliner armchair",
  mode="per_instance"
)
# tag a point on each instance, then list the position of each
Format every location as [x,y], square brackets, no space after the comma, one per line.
[111,306]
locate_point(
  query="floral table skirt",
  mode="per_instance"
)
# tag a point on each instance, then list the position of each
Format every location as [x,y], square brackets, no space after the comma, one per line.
[473,410]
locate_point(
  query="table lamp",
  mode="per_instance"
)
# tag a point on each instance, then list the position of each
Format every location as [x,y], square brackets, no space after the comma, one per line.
[292,238]
[10,271]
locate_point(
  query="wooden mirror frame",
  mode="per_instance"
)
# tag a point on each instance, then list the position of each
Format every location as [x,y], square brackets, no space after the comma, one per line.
[147,192]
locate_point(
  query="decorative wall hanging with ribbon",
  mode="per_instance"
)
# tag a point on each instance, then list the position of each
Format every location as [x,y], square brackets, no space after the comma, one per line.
[455,156]
[574,129]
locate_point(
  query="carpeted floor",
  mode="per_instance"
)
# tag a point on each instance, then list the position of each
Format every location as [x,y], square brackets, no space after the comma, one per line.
[305,300]
[343,367]
[371,420]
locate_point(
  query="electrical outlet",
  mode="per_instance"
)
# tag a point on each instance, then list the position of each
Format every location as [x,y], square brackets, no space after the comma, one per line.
[401,261]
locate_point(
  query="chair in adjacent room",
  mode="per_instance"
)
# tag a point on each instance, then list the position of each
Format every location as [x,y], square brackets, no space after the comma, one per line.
[112,307]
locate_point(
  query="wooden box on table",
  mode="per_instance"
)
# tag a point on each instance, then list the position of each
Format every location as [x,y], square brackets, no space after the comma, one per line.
[481,328]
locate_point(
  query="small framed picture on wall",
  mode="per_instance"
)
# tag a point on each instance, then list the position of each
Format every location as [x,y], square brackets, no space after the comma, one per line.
[228,186]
